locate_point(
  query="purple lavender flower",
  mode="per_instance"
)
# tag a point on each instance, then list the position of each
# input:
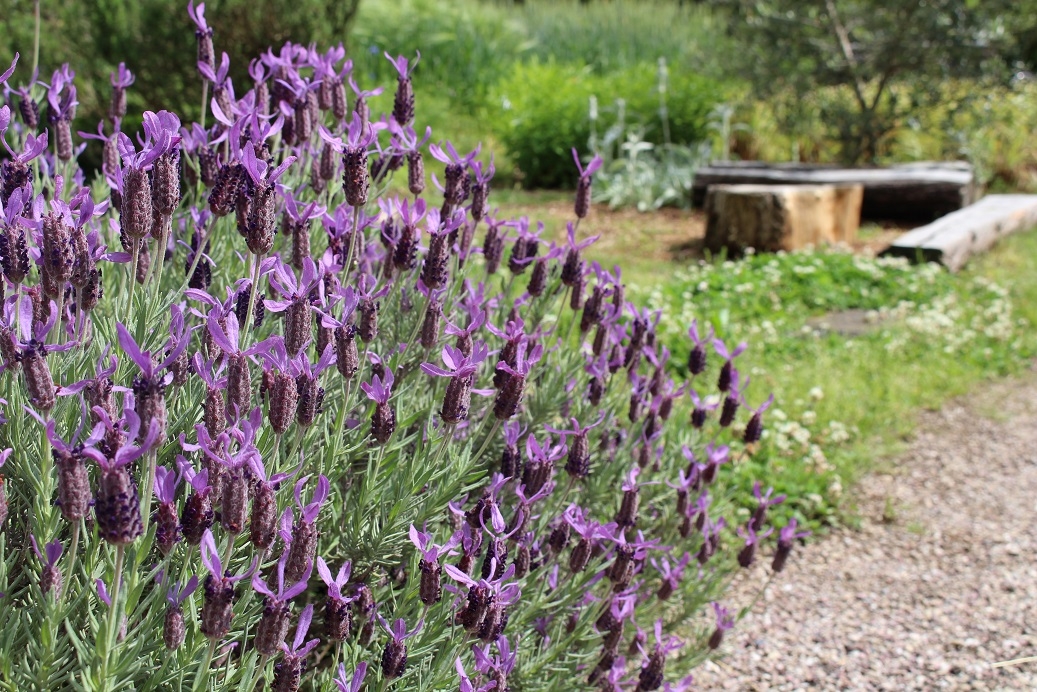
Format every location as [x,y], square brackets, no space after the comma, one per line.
[510,393]
[786,539]
[671,575]
[498,667]
[403,102]
[121,79]
[724,621]
[217,611]
[697,355]
[273,624]
[50,577]
[754,428]
[203,32]
[167,531]
[461,371]
[303,543]
[174,628]
[573,265]
[577,464]
[764,502]
[735,391]
[752,539]
[431,590]
[383,422]
[149,388]
[583,185]
[394,656]
[465,683]
[726,378]
[288,671]
[651,677]
[336,607]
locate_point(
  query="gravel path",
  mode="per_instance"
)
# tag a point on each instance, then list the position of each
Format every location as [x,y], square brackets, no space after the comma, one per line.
[937,584]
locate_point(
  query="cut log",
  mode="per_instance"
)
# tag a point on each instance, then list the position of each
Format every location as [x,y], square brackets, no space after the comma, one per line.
[953,239]
[769,218]
[916,191]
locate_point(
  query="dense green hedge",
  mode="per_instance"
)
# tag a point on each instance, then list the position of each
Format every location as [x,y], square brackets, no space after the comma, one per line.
[544,110]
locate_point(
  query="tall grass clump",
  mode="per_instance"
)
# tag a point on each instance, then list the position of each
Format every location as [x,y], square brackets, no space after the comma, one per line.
[266,423]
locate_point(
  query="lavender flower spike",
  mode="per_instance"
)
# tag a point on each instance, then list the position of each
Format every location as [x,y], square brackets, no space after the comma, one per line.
[583,186]
[383,422]
[288,671]
[394,657]
[50,577]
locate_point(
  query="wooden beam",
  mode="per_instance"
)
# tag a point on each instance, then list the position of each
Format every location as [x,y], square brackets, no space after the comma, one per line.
[956,237]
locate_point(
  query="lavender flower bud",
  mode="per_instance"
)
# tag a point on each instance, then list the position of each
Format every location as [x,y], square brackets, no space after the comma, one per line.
[431,589]
[347,357]
[356,180]
[579,556]
[165,195]
[58,251]
[298,325]
[150,402]
[311,399]
[337,620]
[301,551]
[728,411]
[592,309]
[208,166]
[496,554]
[415,172]
[368,329]
[697,360]
[716,639]
[339,106]
[174,629]
[403,101]
[287,674]
[167,531]
[239,385]
[621,563]
[753,429]
[234,503]
[724,380]
[38,380]
[492,249]
[363,110]
[651,677]
[577,463]
[405,254]
[206,54]
[117,507]
[226,188]
[14,253]
[475,609]
[284,400]
[583,196]
[781,555]
[262,220]
[595,390]
[217,608]
[73,486]
[213,412]
[511,462]
[523,558]
[196,517]
[493,622]
[272,627]
[263,521]
[538,279]
[63,139]
[394,658]
[576,297]
[50,580]
[301,120]
[30,112]
[383,423]
[430,325]
[559,537]
[457,400]
[627,515]
[509,397]
[143,262]
[480,195]
[434,271]
[136,203]
[454,184]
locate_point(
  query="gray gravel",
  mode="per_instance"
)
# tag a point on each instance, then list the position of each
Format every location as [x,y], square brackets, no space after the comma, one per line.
[938,583]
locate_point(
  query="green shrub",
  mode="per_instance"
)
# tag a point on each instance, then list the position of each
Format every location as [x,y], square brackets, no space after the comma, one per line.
[544,109]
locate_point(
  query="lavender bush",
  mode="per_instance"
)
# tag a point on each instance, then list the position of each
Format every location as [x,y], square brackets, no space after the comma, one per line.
[385,438]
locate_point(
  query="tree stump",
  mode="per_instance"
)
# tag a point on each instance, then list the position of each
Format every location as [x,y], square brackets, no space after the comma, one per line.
[769,218]
[913,191]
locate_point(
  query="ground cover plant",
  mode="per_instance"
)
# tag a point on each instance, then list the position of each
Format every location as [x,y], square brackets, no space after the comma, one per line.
[266,421]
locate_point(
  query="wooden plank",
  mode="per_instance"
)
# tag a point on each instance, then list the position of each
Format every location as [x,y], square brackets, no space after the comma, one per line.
[918,191]
[953,239]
